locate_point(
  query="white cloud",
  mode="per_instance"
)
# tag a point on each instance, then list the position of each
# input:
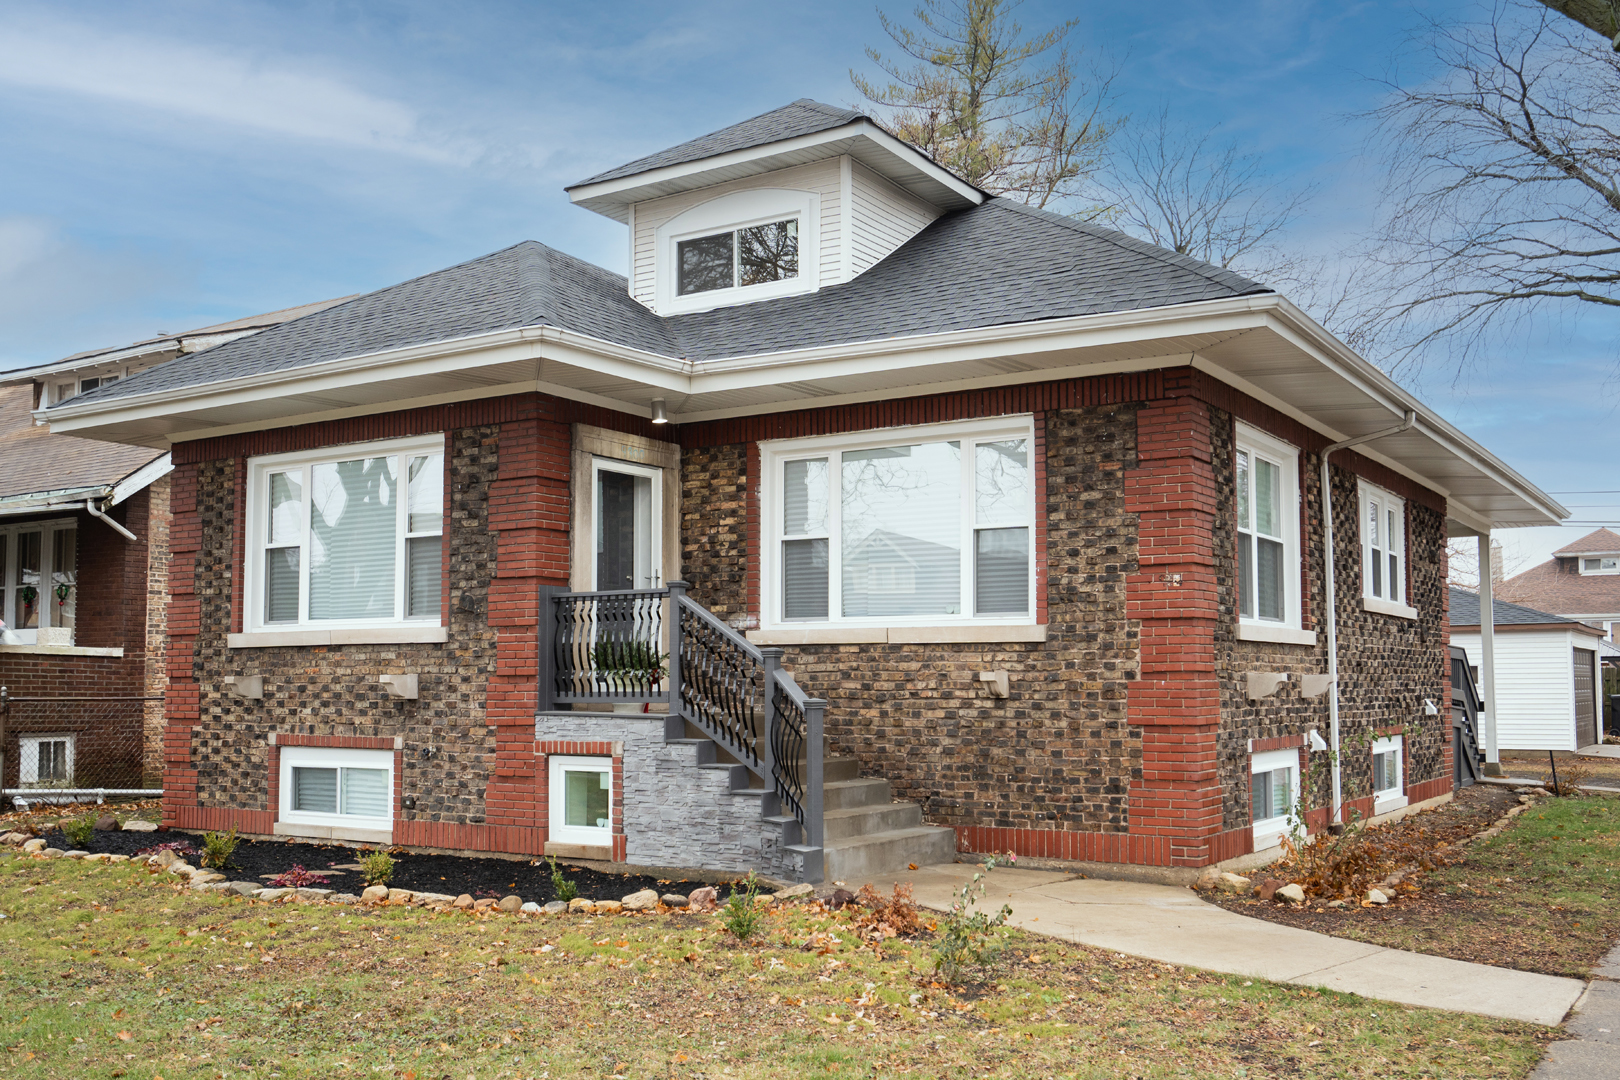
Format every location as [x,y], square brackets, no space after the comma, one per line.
[212,83]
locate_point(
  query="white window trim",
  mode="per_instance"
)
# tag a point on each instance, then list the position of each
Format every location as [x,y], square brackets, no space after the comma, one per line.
[1268,832]
[655,526]
[27,761]
[1286,457]
[1383,803]
[774,454]
[556,797]
[738,210]
[256,629]
[339,826]
[47,599]
[1395,604]
[1580,564]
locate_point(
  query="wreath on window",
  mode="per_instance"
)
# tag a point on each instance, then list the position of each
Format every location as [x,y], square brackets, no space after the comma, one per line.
[62,592]
[29,595]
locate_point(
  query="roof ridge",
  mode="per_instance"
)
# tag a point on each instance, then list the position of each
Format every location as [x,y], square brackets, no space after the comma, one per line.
[1206,270]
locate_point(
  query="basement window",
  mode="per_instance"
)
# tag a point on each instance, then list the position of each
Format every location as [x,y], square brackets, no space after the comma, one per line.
[352,789]
[45,761]
[1389,778]
[1273,794]
[581,797]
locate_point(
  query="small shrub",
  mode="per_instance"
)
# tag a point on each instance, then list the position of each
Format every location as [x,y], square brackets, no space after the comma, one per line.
[377,867]
[969,938]
[1572,776]
[79,832]
[1346,865]
[218,847]
[888,916]
[296,878]
[562,889]
[740,914]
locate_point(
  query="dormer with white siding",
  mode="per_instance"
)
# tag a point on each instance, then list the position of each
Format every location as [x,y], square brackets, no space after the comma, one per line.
[804,197]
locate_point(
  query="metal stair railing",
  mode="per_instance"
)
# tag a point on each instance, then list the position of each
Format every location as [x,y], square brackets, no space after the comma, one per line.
[1466,706]
[611,647]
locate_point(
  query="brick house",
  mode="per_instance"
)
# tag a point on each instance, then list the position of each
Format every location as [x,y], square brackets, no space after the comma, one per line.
[871,518]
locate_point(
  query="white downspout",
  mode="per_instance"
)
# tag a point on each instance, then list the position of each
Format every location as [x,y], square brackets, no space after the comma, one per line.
[1487,654]
[1332,602]
[90,505]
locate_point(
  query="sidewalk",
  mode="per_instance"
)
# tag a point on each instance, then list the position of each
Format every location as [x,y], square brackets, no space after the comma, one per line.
[1172,925]
[1595,1049]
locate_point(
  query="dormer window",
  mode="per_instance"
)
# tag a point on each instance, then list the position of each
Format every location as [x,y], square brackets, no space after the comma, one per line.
[736,248]
[739,257]
[1607,564]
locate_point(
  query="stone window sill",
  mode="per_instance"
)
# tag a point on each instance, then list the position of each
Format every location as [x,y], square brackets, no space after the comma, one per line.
[333,832]
[58,650]
[387,635]
[1276,635]
[597,852]
[1388,607]
[897,635]
[1387,806]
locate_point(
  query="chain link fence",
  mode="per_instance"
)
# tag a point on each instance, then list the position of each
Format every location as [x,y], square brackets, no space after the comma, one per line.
[72,749]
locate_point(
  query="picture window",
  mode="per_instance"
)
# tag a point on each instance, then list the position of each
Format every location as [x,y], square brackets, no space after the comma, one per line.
[754,255]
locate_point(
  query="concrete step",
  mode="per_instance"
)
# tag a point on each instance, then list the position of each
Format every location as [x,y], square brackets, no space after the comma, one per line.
[844,794]
[857,858]
[870,820]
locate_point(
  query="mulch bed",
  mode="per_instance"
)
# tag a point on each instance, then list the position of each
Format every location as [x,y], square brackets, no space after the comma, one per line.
[257,860]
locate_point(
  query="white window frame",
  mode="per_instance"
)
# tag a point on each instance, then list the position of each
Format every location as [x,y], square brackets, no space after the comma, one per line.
[1392,600]
[321,757]
[28,759]
[1387,799]
[737,210]
[1268,832]
[655,515]
[47,570]
[774,456]
[1607,564]
[258,483]
[1285,456]
[556,798]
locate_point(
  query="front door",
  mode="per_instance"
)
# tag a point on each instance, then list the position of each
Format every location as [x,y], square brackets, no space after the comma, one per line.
[627,506]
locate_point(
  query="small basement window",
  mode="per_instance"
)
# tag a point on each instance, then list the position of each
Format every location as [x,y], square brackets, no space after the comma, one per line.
[1389,790]
[581,796]
[349,788]
[45,761]
[1273,793]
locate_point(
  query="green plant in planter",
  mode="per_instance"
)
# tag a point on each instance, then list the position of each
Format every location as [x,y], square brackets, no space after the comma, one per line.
[79,832]
[629,664]
[218,848]
[377,867]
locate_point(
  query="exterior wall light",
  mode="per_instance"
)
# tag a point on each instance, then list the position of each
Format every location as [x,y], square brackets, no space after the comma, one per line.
[659,414]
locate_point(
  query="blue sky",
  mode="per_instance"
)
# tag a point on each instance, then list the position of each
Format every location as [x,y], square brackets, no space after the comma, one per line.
[170,165]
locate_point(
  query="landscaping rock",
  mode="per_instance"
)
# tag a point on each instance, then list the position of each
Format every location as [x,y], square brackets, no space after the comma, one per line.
[1268,888]
[117,858]
[794,892]
[210,886]
[137,825]
[53,853]
[164,858]
[108,823]
[511,903]
[1338,903]
[205,877]
[674,900]
[429,897]
[183,868]
[404,896]
[531,908]
[75,854]
[705,899]
[245,888]
[1377,896]
[555,907]
[99,857]
[608,907]
[14,838]
[313,894]
[34,845]
[645,900]
[1234,883]
[1209,879]
[462,903]
[275,894]
[1291,893]
[579,904]
[764,900]
[375,894]
[343,898]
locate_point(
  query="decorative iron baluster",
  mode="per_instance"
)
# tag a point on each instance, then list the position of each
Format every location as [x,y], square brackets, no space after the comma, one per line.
[609,646]
[788,744]
[721,687]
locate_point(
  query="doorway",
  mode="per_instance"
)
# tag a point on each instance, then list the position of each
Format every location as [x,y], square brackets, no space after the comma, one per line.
[627,507]
[1587,730]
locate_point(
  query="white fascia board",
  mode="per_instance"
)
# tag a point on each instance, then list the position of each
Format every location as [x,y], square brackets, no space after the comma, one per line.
[110,356]
[628,185]
[142,478]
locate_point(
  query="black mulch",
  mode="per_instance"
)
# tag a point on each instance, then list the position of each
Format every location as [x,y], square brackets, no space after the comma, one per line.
[256,860]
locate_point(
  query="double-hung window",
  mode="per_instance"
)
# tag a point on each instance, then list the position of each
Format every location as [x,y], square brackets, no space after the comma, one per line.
[1383,552]
[1267,481]
[1273,794]
[39,581]
[911,526]
[347,537]
[1388,769]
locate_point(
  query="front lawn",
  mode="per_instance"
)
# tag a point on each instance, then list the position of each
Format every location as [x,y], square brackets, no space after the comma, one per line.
[110,972]
[1544,895]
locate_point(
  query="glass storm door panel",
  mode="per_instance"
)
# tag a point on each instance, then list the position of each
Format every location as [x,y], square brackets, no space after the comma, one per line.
[626,508]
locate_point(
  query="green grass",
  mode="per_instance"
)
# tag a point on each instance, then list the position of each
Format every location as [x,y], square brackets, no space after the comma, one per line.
[1542,896]
[109,972]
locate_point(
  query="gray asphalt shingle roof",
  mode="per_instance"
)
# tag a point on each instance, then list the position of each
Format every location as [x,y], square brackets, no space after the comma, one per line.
[995,264]
[1465,612]
[802,117]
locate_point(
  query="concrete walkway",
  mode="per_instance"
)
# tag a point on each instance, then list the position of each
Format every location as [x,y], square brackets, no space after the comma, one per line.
[1171,924]
[1594,1052]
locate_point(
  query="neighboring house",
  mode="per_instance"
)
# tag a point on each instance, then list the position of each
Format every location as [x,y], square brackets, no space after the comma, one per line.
[1034,508]
[84,534]
[1581,581]
[1548,684]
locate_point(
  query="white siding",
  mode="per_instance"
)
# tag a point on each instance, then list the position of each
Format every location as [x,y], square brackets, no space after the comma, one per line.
[885,217]
[1535,687]
[821,177]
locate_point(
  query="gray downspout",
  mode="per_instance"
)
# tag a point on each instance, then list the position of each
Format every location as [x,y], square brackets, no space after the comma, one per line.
[1332,602]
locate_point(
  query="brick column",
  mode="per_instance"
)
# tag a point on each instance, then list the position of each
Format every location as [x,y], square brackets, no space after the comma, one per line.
[1176,805]
[182,705]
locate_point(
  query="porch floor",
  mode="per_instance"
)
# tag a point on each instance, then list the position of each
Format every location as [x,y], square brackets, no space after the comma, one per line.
[1172,925]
